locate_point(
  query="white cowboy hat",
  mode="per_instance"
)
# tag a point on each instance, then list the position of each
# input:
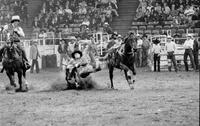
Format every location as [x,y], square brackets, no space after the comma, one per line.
[15,18]
[106,23]
[189,35]
[72,37]
[169,37]
[138,35]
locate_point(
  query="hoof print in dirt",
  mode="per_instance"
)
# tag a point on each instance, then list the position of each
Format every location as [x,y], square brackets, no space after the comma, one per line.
[9,88]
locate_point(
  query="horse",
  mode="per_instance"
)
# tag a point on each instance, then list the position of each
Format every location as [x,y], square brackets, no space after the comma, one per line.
[13,63]
[123,58]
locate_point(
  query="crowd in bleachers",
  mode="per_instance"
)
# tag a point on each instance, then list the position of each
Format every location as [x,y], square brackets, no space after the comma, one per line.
[74,15]
[179,11]
[13,7]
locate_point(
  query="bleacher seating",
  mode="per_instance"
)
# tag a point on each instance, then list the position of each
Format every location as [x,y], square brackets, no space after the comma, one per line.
[170,23]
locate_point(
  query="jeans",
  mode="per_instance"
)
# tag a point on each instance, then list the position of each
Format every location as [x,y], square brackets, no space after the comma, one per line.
[35,62]
[156,58]
[171,56]
[63,56]
[188,52]
[196,59]
[139,57]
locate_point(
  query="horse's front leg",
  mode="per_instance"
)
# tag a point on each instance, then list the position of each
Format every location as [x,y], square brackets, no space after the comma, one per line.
[111,69]
[11,78]
[21,87]
[127,73]
[133,69]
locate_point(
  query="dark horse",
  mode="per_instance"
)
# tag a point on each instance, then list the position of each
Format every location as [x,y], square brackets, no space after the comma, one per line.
[123,60]
[13,62]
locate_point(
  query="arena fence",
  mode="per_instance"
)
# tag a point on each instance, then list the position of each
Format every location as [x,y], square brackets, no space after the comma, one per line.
[48,48]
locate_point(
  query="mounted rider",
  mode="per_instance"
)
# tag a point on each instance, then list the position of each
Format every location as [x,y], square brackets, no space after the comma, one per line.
[12,33]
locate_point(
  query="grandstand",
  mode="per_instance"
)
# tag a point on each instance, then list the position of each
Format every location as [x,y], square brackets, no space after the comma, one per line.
[75,16]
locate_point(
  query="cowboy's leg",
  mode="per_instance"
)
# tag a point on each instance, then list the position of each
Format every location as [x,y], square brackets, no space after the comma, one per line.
[155,59]
[23,51]
[32,65]
[185,60]
[169,58]
[37,66]
[196,60]
[61,60]
[174,62]
[192,59]
[158,59]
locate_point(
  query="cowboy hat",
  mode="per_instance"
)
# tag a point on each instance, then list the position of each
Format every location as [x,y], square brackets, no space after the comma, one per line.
[169,37]
[106,23]
[144,35]
[77,51]
[72,37]
[15,18]
[189,35]
[156,41]
[119,36]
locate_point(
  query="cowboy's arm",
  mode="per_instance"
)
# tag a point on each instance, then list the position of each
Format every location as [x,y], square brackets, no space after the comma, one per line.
[19,31]
[5,29]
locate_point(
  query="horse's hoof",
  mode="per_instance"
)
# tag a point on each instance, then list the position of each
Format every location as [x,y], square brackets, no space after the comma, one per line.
[18,90]
[21,90]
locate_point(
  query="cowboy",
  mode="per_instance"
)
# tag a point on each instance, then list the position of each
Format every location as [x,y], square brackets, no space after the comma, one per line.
[72,44]
[34,55]
[63,51]
[156,54]
[13,32]
[170,48]
[107,28]
[145,49]
[188,45]
[81,63]
[139,50]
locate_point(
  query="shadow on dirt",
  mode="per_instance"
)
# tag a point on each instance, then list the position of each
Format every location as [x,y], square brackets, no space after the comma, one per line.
[61,85]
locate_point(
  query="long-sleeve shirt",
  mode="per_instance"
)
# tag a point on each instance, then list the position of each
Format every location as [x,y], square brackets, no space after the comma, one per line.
[156,49]
[188,44]
[34,53]
[139,43]
[9,30]
[170,47]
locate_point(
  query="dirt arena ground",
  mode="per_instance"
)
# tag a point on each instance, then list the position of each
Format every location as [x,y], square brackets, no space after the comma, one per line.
[159,99]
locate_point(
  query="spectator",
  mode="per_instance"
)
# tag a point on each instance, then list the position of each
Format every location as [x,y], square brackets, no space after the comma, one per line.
[36,23]
[34,55]
[63,51]
[170,48]
[166,9]
[107,28]
[145,49]
[156,55]
[139,50]
[188,45]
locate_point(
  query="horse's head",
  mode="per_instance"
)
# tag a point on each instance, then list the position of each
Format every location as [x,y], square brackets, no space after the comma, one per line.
[130,45]
[11,52]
